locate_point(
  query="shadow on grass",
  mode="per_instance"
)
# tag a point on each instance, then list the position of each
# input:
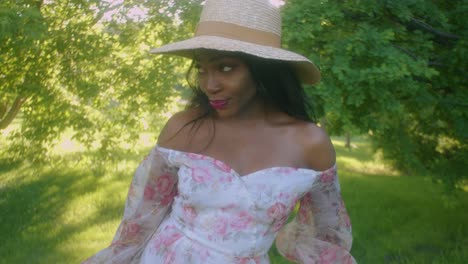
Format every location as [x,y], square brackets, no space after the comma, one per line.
[403,220]
[7,165]
[32,226]
[38,217]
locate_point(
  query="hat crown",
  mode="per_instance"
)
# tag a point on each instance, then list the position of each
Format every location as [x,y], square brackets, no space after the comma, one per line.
[260,15]
[247,26]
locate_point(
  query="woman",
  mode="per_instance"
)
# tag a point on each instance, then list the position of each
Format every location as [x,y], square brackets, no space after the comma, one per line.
[228,171]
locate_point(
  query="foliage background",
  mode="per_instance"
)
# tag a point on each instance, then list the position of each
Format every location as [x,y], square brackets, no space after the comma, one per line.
[395,70]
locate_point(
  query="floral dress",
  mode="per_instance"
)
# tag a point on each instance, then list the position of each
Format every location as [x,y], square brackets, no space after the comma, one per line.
[187,208]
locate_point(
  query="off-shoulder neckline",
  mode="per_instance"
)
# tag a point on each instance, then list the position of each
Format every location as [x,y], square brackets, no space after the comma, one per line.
[164,149]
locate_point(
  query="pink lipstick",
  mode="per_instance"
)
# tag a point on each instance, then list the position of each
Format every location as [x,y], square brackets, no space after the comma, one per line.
[218,104]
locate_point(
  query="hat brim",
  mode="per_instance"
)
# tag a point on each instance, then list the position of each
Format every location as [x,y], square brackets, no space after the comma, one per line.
[306,71]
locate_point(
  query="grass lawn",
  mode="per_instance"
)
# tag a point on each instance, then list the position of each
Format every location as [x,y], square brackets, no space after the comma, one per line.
[66,212]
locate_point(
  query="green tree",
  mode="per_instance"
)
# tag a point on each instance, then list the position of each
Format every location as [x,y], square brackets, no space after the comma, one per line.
[393,69]
[64,65]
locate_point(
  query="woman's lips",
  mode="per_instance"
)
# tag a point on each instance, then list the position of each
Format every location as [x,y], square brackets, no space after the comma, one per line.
[218,104]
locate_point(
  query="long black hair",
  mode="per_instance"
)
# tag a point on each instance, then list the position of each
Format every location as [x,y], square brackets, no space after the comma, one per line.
[277,84]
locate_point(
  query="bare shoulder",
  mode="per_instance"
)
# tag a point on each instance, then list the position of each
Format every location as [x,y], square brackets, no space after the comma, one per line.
[172,134]
[318,148]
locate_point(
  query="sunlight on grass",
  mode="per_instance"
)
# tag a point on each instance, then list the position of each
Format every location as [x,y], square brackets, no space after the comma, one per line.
[89,204]
[89,208]
[67,145]
[11,128]
[7,131]
[359,158]
[353,164]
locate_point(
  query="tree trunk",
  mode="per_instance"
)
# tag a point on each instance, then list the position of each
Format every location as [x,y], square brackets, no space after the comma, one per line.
[11,114]
[3,109]
[348,140]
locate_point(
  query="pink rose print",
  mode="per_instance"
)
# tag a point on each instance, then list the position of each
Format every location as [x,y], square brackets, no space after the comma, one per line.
[284,196]
[346,220]
[166,238]
[226,179]
[241,221]
[189,213]
[200,175]
[344,215]
[228,207]
[276,211]
[303,215]
[166,200]
[157,244]
[290,256]
[130,230]
[327,256]
[149,193]
[131,191]
[169,240]
[278,224]
[327,176]
[117,246]
[196,156]
[342,206]
[165,184]
[247,260]
[220,226]
[307,199]
[170,257]
[117,243]
[222,166]
[332,238]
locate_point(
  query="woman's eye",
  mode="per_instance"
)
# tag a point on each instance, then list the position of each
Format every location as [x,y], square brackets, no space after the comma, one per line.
[226,68]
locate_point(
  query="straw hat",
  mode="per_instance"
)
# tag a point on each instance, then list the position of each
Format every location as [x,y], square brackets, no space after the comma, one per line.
[247,26]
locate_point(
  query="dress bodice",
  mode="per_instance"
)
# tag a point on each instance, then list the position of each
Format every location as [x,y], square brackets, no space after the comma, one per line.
[236,215]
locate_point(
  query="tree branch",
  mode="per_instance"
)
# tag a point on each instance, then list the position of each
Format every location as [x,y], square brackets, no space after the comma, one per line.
[39,4]
[429,28]
[430,62]
[3,109]
[4,122]
[406,51]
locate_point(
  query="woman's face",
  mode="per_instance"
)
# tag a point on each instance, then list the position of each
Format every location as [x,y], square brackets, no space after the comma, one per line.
[227,82]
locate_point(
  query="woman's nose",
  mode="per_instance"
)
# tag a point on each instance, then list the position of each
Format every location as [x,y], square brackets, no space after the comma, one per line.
[212,83]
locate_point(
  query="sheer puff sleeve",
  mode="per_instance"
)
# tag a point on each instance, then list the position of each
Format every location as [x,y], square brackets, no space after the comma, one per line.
[321,230]
[149,199]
